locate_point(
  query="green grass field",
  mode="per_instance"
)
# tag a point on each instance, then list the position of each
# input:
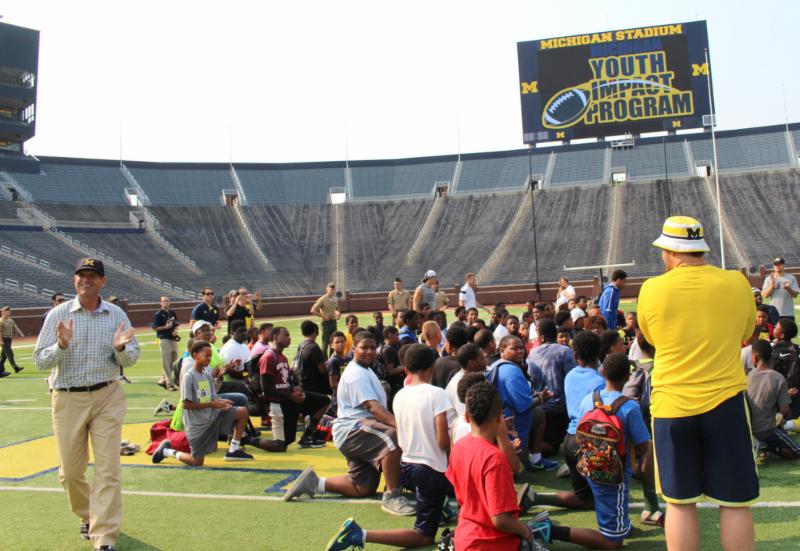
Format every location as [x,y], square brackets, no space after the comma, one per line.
[228,507]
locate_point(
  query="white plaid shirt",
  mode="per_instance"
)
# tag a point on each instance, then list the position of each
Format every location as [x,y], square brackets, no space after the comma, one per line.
[90,357]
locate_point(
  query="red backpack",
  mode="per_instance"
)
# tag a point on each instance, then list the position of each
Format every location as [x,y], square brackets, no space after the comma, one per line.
[601,438]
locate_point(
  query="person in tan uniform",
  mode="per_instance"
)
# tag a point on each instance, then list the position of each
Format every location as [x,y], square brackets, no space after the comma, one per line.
[327,309]
[399,299]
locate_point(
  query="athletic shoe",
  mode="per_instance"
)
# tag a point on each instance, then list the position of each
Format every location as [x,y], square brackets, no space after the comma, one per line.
[310,442]
[397,505]
[106,548]
[172,388]
[349,535]
[4,374]
[17,369]
[84,530]
[306,483]
[448,513]
[563,471]
[162,408]
[541,465]
[541,526]
[124,380]
[158,455]
[162,384]
[526,496]
[238,455]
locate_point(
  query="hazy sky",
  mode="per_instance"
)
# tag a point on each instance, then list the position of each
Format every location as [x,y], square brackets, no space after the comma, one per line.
[275,81]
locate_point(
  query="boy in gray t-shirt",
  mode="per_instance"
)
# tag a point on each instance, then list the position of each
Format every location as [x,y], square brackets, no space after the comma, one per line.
[205,415]
[767,394]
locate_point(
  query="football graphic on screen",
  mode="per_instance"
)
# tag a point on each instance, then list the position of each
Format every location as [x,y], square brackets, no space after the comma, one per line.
[565,108]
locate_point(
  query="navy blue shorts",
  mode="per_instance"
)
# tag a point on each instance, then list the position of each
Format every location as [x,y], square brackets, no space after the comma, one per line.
[431,488]
[707,456]
[611,509]
[778,441]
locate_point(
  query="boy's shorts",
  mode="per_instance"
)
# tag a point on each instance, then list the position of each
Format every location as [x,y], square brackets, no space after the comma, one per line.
[707,456]
[364,448]
[285,415]
[431,490]
[611,509]
[556,427]
[777,441]
[206,442]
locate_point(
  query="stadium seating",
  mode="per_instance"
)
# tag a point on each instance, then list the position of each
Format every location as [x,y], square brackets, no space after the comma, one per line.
[399,178]
[178,185]
[284,184]
[573,166]
[391,224]
[509,171]
[74,181]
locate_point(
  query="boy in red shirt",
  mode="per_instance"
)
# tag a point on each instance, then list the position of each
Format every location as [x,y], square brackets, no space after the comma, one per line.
[481,476]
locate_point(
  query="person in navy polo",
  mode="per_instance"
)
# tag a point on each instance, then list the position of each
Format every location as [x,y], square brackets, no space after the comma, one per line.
[206,311]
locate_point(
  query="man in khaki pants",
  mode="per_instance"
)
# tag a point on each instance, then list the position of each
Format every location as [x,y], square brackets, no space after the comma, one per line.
[84,342]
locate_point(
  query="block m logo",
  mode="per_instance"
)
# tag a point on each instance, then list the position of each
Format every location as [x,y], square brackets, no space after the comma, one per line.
[698,70]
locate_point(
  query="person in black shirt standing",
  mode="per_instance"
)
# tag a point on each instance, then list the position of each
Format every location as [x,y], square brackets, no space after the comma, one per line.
[206,311]
[238,310]
[313,372]
[165,324]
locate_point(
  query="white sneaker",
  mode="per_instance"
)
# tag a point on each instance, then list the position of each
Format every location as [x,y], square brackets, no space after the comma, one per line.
[162,409]
[398,505]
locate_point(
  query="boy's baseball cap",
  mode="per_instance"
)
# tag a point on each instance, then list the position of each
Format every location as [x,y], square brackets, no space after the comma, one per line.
[198,324]
[682,234]
[92,265]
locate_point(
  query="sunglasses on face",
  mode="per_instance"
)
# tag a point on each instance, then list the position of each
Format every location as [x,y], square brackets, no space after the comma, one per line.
[211,293]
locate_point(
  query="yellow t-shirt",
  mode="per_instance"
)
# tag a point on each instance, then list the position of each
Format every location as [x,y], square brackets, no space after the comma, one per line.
[696,317]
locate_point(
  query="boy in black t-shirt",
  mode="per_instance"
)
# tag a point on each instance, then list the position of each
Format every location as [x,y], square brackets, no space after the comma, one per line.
[388,361]
[335,364]
[312,361]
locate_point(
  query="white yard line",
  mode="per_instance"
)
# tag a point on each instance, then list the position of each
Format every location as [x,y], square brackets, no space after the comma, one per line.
[365,501]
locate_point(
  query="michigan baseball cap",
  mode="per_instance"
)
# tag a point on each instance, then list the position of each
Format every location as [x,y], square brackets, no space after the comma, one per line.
[429,274]
[198,324]
[682,234]
[90,264]
[779,260]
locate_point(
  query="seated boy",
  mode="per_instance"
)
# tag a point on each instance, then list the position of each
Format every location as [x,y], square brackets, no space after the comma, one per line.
[205,416]
[422,411]
[767,394]
[611,500]
[786,361]
[365,433]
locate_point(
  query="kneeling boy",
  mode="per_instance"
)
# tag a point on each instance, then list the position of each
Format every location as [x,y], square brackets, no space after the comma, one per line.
[205,416]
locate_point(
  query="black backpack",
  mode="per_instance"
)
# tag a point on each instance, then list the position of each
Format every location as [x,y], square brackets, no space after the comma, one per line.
[786,361]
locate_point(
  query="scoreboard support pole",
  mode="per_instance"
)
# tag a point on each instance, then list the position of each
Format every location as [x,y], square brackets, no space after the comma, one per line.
[716,167]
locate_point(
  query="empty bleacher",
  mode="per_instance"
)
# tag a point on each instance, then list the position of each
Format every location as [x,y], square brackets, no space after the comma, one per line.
[571,230]
[110,214]
[737,152]
[400,177]
[652,161]
[290,184]
[75,181]
[584,165]
[498,171]
[377,238]
[182,185]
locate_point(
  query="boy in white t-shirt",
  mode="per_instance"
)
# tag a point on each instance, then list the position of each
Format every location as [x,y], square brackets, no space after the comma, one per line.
[423,413]
[471,359]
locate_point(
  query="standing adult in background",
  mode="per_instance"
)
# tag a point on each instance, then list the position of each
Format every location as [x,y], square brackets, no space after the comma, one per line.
[252,307]
[240,309]
[55,300]
[84,342]
[442,300]
[781,287]
[424,294]
[206,311]
[327,309]
[566,292]
[8,328]
[609,298]
[165,324]
[701,430]
[399,299]
[466,295]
